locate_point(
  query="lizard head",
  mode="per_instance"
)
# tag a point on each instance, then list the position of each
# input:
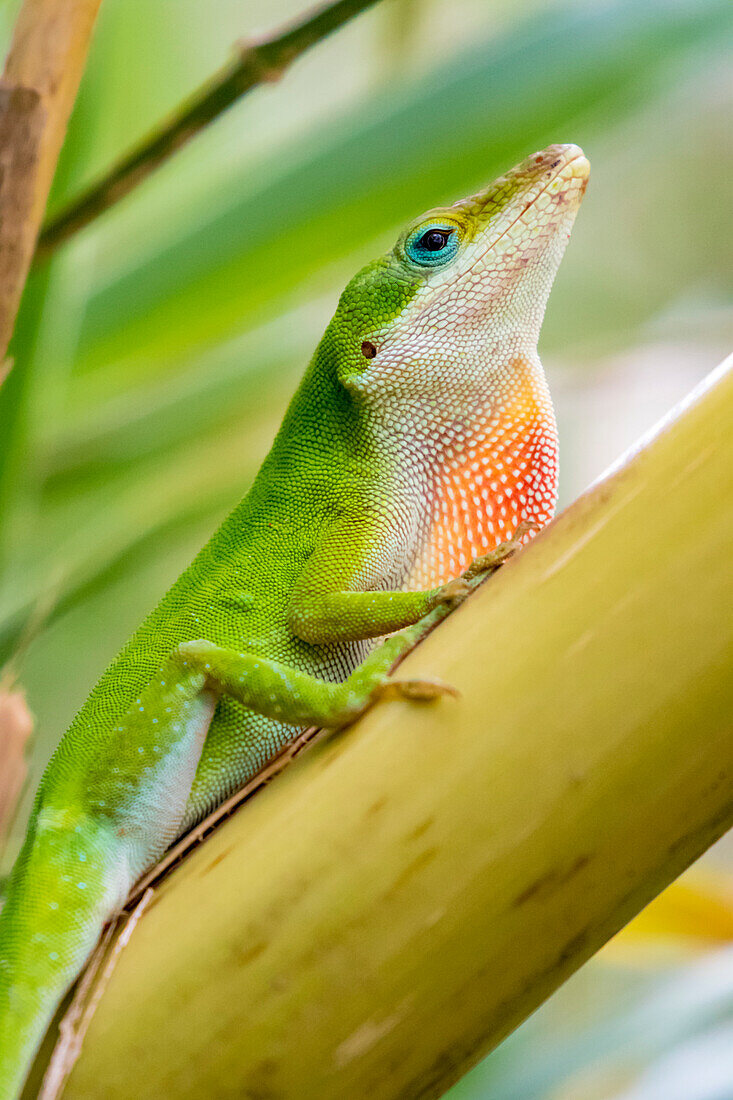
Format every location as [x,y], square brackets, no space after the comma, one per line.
[464,289]
[437,343]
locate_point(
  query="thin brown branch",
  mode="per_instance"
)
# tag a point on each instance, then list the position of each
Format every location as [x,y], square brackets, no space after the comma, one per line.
[85,1000]
[37,92]
[258,61]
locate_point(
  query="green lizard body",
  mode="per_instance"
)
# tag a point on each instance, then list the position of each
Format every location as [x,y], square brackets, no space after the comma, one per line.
[421,437]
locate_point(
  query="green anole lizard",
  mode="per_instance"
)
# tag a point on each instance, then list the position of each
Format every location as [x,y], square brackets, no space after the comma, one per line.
[421,437]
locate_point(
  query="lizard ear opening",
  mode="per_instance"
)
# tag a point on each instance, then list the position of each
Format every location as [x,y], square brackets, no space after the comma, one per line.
[368,349]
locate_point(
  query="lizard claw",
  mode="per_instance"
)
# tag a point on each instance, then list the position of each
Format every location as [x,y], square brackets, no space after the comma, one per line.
[525,527]
[487,563]
[505,550]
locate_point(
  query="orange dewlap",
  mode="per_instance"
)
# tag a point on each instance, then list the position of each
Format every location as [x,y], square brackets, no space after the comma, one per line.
[501,471]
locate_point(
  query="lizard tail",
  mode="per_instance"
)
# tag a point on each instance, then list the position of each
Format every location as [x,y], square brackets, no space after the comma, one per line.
[66,883]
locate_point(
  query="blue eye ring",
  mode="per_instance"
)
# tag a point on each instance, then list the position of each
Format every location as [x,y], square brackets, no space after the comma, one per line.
[432,245]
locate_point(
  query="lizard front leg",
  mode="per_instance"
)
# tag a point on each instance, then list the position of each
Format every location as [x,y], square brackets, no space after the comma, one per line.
[327,606]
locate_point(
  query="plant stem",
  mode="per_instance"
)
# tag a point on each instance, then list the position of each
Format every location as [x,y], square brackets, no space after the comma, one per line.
[407,892]
[258,60]
[37,92]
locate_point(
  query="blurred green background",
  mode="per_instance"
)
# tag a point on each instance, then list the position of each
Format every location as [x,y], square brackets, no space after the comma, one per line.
[159,348]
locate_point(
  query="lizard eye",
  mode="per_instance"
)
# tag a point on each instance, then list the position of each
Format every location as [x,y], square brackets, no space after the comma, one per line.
[432,246]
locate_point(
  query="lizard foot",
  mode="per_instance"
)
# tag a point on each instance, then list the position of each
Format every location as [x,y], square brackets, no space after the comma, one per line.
[452,593]
[420,691]
[487,563]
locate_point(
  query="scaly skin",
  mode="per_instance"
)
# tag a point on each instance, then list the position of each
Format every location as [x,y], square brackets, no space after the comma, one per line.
[421,436]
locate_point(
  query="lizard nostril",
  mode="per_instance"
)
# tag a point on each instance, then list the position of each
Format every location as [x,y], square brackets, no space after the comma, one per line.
[368,350]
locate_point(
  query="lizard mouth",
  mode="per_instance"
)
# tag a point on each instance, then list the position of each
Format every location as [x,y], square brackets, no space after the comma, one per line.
[531,206]
[544,189]
[569,180]
[551,169]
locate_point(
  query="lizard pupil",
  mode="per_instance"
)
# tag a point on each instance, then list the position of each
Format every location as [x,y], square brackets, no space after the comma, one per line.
[434,240]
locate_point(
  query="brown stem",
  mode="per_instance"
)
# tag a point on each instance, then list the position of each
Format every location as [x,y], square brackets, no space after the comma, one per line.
[258,61]
[16,725]
[37,92]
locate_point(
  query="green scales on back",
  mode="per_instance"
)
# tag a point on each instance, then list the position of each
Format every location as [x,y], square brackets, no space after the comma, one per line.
[420,439]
